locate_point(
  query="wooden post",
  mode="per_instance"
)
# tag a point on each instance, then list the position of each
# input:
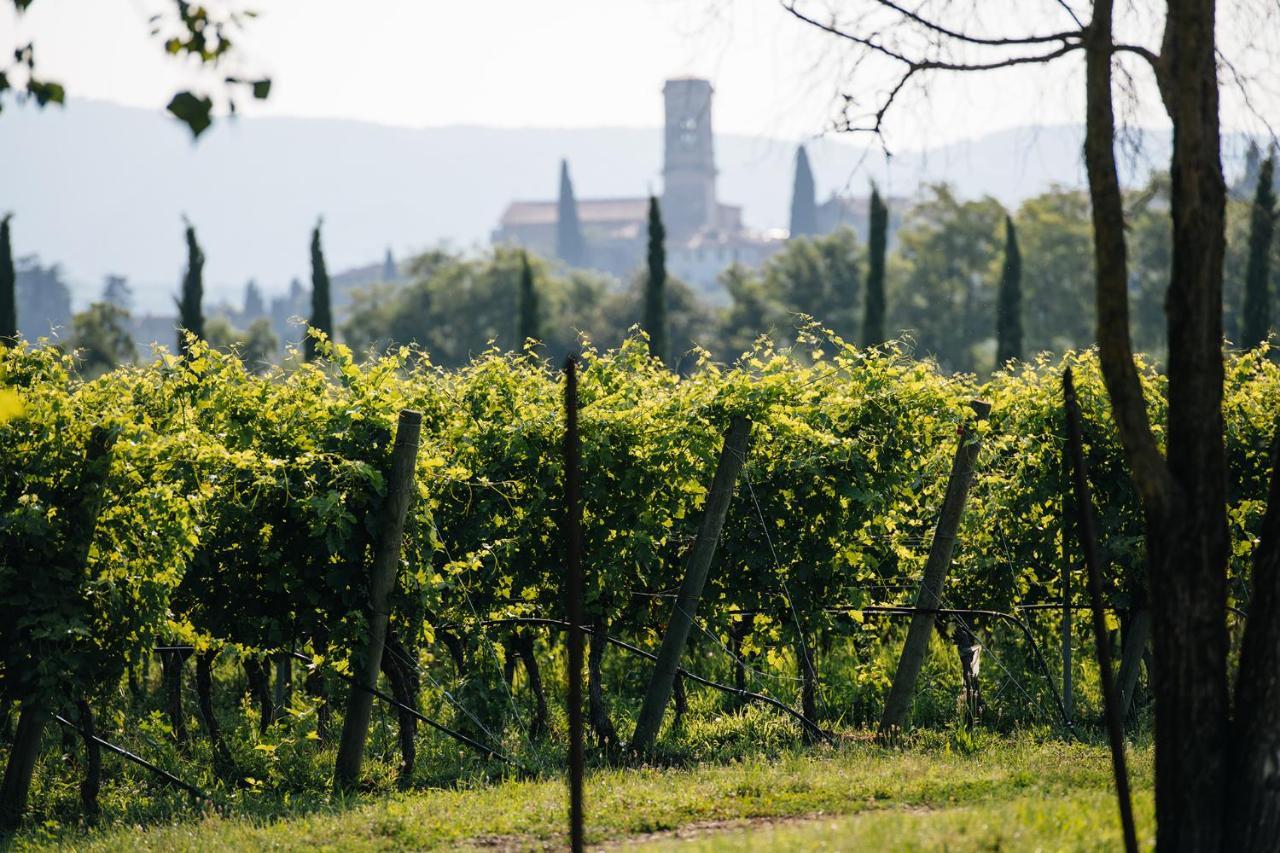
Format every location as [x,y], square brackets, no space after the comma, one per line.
[1068,699]
[1135,643]
[382,580]
[1089,543]
[935,575]
[697,567]
[81,519]
[572,534]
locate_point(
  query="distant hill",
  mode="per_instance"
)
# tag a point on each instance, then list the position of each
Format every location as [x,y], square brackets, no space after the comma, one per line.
[100,188]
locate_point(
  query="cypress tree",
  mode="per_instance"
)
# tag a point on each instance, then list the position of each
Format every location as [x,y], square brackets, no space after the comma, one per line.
[8,286]
[655,290]
[804,205]
[530,327]
[190,316]
[321,313]
[1009,300]
[878,238]
[1257,283]
[569,245]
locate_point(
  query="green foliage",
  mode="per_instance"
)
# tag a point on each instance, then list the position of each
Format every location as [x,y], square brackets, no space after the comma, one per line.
[1256,316]
[804,205]
[570,247]
[873,332]
[190,305]
[655,289]
[528,308]
[1055,243]
[101,339]
[321,310]
[8,285]
[1009,300]
[207,33]
[945,296]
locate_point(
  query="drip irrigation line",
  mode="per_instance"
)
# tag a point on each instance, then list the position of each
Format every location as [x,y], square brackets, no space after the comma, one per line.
[742,694]
[488,752]
[136,759]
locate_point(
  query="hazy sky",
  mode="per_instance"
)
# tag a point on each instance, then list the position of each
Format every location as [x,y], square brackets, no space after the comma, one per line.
[563,63]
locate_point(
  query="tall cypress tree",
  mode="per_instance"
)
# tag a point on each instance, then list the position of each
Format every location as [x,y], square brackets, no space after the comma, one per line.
[530,326]
[321,312]
[804,204]
[655,289]
[569,245]
[1257,283]
[878,238]
[190,305]
[8,286]
[1009,300]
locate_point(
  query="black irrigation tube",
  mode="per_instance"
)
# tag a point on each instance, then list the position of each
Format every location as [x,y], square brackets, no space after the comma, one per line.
[622,644]
[136,759]
[487,751]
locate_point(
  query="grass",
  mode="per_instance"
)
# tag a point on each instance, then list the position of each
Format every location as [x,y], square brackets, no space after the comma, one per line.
[942,791]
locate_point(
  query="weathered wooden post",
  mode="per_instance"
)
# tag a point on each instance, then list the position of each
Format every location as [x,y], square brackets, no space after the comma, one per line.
[1089,544]
[732,456]
[81,520]
[572,534]
[382,579]
[935,575]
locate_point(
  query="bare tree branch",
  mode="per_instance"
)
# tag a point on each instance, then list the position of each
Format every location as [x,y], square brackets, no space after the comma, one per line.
[1006,41]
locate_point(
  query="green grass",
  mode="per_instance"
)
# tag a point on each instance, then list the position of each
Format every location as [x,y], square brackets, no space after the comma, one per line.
[941,792]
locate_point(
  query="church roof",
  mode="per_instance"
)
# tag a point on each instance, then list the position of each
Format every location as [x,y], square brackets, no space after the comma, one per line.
[595,211]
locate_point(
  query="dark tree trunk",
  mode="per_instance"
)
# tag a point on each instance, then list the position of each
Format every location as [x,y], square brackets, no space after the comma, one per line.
[260,689]
[457,650]
[171,663]
[21,766]
[403,678]
[92,783]
[679,699]
[317,688]
[283,686]
[509,660]
[1254,797]
[224,765]
[597,710]
[524,648]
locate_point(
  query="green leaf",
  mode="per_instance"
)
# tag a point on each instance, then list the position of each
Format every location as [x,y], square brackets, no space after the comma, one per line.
[194,112]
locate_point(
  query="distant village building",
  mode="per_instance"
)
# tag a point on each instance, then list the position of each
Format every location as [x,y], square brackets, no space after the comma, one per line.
[704,235]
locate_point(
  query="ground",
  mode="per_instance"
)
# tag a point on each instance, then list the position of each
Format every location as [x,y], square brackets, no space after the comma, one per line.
[951,793]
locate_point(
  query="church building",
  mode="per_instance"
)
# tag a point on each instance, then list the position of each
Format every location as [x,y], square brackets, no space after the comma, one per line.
[703,234]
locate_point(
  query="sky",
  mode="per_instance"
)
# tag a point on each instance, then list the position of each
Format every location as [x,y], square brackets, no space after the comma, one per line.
[601,63]
[544,63]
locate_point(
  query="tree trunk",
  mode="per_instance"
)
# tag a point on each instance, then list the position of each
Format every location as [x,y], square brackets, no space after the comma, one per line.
[21,766]
[224,765]
[171,663]
[1136,637]
[524,648]
[1184,501]
[260,689]
[404,688]
[679,700]
[597,709]
[283,696]
[92,783]
[1254,797]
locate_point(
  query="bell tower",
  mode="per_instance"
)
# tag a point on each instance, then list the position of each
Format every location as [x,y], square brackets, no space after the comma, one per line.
[689,162]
